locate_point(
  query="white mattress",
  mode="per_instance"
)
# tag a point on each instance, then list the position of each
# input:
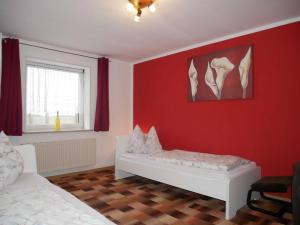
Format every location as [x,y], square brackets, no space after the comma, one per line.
[206,173]
[28,180]
[199,159]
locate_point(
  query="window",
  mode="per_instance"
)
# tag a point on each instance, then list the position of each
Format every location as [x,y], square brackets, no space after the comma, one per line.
[52,89]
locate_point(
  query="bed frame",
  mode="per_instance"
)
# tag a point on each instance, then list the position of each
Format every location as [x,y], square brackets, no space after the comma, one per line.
[232,190]
[28,154]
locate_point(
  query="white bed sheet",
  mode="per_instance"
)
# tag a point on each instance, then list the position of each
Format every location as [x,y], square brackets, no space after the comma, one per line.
[199,159]
[202,172]
[27,180]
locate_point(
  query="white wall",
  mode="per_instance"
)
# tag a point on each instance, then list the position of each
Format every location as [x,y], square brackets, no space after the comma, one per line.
[120,100]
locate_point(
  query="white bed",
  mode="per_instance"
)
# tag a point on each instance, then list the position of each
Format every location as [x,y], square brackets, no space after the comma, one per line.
[15,207]
[231,186]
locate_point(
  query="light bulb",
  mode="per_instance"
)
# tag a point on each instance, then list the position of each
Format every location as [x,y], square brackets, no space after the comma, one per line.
[129,7]
[152,8]
[137,18]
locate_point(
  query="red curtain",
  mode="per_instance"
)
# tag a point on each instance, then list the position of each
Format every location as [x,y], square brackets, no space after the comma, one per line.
[11,96]
[102,105]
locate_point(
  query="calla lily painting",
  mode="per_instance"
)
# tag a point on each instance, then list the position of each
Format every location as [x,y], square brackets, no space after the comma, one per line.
[221,75]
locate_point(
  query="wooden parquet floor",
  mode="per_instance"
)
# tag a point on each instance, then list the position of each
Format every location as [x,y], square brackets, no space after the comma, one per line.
[139,201]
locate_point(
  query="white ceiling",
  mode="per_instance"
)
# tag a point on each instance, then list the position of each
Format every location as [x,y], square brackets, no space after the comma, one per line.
[104,27]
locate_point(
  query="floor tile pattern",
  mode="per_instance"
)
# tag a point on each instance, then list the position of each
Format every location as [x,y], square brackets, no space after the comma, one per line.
[139,201]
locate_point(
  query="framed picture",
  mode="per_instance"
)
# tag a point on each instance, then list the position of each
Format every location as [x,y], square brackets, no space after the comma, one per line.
[226,74]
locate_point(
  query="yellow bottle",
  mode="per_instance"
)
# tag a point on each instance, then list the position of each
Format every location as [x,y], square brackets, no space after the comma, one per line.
[57,122]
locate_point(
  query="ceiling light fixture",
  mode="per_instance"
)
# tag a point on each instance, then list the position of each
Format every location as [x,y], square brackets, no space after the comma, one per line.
[130,7]
[137,6]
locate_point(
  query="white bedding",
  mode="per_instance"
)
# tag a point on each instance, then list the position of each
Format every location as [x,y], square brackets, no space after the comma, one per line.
[143,159]
[32,200]
[230,186]
[199,160]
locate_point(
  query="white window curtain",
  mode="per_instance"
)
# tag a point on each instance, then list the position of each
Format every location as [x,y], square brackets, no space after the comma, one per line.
[50,91]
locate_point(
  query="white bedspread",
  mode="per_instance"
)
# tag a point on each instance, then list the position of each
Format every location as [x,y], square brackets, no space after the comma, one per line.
[41,204]
[201,160]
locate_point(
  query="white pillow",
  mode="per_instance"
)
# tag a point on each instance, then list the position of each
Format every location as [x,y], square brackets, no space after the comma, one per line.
[146,145]
[137,141]
[11,164]
[4,138]
[152,144]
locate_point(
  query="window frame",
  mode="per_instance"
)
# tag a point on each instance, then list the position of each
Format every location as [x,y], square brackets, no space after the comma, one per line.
[85,95]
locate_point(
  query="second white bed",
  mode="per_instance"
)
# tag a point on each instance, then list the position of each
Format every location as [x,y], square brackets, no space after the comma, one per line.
[230,186]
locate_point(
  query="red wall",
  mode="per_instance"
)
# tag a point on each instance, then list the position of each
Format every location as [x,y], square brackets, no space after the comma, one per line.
[265,129]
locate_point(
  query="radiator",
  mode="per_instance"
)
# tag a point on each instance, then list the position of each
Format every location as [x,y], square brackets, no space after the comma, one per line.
[59,155]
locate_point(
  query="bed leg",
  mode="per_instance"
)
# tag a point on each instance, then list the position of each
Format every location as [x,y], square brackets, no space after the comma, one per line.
[237,199]
[238,191]
[231,210]
[120,174]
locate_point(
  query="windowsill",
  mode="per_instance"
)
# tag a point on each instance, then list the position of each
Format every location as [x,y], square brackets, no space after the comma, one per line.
[55,132]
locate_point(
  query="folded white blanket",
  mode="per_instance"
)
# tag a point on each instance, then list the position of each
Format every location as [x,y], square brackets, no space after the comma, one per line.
[202,160]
